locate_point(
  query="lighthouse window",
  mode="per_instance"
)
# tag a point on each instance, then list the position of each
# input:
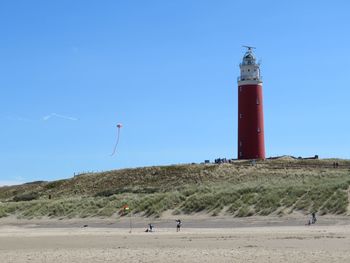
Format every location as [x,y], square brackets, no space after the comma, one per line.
[240,115]
[257,101]
[240,89]
[240,153]
[258,130]
[240,143]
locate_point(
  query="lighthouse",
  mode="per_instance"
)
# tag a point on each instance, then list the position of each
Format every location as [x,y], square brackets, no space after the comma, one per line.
[251,143]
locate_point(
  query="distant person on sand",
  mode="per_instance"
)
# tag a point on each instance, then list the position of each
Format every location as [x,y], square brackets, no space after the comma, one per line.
[313,218]
[150,228]
[178,225]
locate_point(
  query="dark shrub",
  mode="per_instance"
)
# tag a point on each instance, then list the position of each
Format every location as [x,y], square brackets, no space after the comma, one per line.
[25,197]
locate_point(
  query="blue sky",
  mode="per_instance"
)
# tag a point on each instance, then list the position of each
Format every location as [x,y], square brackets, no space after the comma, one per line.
[167,70]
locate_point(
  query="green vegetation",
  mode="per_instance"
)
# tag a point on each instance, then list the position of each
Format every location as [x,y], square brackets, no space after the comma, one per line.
[238,189]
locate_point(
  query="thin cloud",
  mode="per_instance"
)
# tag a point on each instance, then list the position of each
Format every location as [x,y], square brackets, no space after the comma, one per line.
[45,118]
[60,116]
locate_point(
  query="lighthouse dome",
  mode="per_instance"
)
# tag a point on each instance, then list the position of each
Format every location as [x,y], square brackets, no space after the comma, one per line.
[249,58]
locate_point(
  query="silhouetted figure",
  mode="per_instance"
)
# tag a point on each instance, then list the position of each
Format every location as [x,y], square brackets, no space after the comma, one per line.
[178,225]
[313,218]
[150,228]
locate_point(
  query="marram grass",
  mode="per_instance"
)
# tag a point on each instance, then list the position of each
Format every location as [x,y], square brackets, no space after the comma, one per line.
[238,189]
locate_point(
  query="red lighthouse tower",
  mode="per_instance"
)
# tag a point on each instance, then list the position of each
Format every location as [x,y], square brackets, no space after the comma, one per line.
[251,143]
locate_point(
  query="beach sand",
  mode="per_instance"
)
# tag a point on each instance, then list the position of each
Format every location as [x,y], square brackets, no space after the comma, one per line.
[54,242]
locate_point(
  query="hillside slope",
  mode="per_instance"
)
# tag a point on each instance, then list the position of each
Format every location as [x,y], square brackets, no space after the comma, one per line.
[278,186]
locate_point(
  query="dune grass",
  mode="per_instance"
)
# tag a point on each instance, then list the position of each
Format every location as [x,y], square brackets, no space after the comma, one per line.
[239,189]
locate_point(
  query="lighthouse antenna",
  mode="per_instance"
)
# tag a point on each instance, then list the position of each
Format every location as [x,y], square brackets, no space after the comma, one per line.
[249,47]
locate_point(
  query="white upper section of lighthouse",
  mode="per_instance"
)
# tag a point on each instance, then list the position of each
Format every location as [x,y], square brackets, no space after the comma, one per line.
[250,70]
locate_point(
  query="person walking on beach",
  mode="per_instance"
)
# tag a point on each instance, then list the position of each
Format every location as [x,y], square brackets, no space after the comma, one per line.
[313,219]
[150,228]
[178,225]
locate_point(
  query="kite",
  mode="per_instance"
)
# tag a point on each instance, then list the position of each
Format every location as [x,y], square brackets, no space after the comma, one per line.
[119,126]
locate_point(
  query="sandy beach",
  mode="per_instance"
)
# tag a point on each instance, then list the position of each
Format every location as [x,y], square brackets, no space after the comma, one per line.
[72,242]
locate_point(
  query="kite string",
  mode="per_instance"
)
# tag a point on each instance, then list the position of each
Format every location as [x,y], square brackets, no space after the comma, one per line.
[116,144]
